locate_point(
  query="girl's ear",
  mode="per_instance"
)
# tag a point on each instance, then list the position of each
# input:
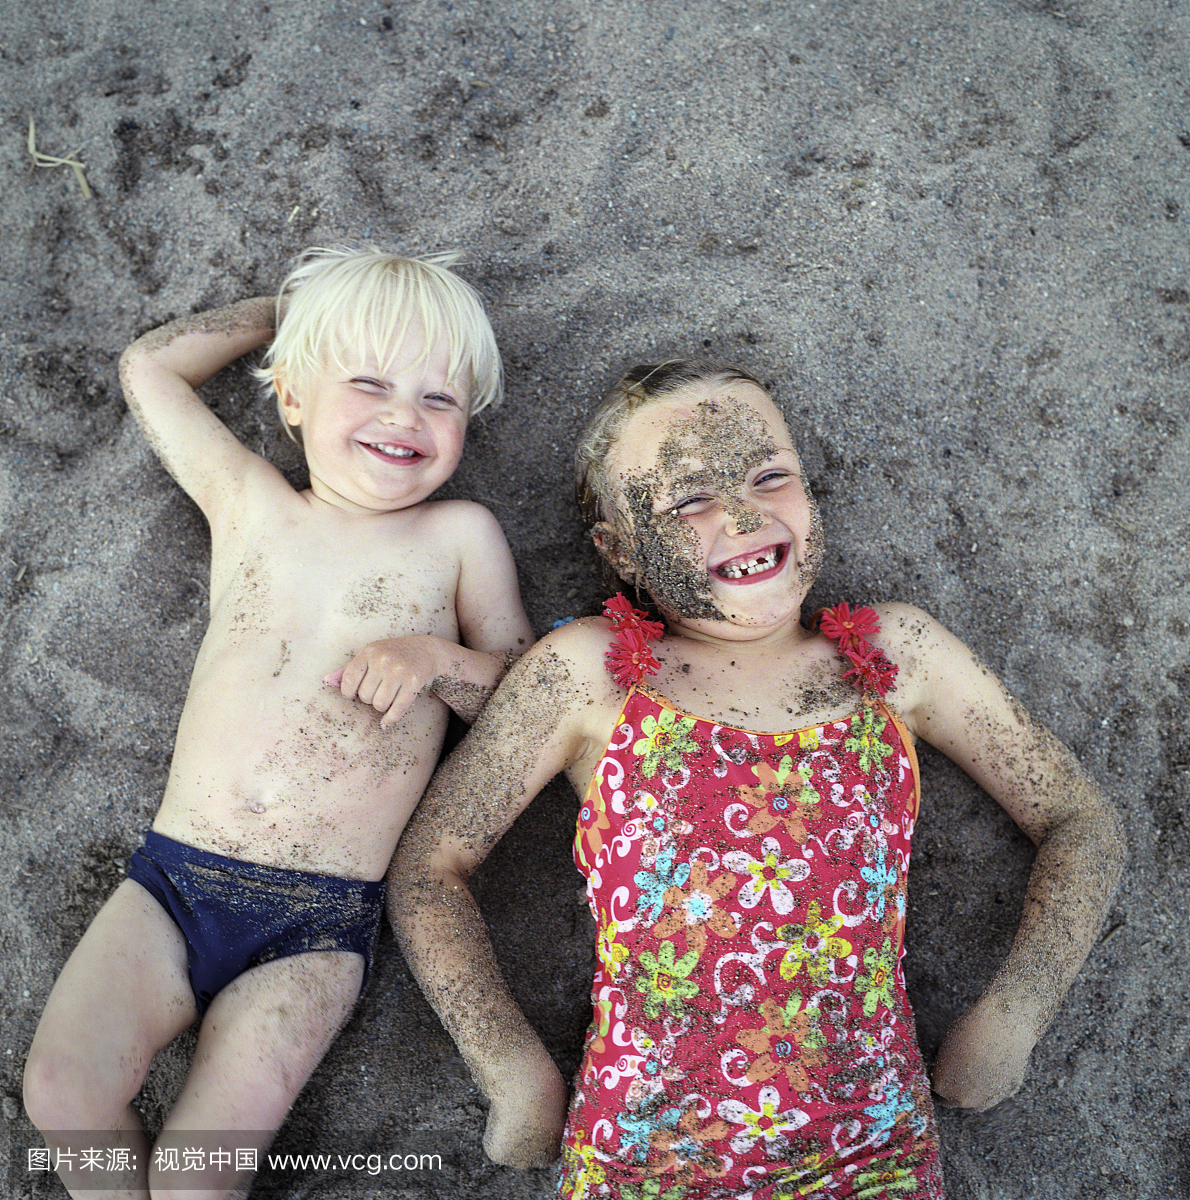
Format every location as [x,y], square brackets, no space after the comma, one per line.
[291,407]
[612,550]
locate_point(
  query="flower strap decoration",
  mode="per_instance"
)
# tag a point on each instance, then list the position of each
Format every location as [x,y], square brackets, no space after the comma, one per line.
[849,629]
[629,659]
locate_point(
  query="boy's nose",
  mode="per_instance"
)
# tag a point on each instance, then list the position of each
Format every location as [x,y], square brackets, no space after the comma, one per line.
[398,410]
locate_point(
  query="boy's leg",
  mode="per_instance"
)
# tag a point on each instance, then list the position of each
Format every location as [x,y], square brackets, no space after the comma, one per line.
[260,1040]
[123,994]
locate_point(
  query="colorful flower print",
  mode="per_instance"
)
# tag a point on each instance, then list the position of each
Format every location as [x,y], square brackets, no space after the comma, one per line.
[881,880]
[651,1190]
[667,738]
[884,1182]
[694,909]
[888,1108]
[581,1162]
[654,884]
[684,1150]
[814,945]
[770,1125]
[789,1040]
[611,953]
[594,820]
[774,799]
[769,875]
[865,743]
[663,981]
[637,1128]
[877,982]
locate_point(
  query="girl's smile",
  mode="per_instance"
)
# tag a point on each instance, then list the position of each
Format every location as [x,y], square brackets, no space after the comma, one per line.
[753,566]
[715,519]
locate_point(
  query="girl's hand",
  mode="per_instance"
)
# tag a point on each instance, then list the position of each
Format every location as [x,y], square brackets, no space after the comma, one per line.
[389,675]
[983,1057]
[526,1119]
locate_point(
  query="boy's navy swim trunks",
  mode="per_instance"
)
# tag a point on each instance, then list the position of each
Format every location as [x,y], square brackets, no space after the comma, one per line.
[236,915]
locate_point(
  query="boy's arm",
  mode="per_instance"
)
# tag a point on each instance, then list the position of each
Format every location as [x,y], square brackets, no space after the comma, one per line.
[526,735]
[391,674]
[964,711]
[160,372]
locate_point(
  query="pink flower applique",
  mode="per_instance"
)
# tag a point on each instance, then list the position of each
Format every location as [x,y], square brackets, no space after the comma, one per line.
[629,658]
[850,628]
[872,670]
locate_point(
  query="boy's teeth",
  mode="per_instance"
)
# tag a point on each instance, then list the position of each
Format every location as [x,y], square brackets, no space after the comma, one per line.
[750,566]
[393,451]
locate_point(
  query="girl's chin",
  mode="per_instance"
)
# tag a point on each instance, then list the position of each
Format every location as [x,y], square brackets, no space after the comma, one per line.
[734,622]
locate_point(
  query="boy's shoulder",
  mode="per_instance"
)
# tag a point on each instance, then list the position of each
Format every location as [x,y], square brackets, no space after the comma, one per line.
[463,522]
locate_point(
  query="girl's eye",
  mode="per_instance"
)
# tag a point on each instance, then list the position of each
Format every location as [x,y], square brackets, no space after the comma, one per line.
[442,400]
[771,479]
[368,385]
[690,505]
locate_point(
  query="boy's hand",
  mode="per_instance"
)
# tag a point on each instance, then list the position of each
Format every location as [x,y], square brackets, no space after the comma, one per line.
[983,1057]
[389,675]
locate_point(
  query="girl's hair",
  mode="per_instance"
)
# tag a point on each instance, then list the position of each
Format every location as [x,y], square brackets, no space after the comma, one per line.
[638,387]
[344,297]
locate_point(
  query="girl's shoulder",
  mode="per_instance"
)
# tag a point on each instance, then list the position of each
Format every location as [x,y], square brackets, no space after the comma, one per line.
[919,645]
[580,646]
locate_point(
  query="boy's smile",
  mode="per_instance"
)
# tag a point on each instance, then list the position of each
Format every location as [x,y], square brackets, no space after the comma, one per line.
[380,432]
[716,521]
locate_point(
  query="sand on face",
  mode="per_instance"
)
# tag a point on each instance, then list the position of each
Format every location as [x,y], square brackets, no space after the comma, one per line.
[950,240]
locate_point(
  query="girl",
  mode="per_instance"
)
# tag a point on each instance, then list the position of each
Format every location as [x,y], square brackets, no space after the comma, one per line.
[750,787]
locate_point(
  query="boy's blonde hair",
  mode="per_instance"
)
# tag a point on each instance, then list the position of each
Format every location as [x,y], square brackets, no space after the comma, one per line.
[636,388]
[347,297]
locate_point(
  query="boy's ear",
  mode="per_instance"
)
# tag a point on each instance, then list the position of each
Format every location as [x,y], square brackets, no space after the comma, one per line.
[291,407]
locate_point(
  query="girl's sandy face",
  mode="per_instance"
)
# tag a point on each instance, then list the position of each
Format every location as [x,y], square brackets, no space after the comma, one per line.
[714,516]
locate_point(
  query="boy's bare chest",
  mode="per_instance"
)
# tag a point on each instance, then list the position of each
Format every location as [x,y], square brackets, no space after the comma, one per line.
[337,583]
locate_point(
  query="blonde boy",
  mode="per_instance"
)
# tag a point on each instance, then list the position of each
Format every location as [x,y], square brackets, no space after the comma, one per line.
[255,901]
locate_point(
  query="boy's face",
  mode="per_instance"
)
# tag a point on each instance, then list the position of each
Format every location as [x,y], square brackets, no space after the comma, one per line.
[380,435]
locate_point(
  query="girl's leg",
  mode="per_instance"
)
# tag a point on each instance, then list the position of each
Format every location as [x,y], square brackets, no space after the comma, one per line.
[122,995]
[260,1040]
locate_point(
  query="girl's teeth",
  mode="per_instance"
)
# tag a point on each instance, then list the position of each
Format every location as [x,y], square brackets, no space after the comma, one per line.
[395,451]
[739,570]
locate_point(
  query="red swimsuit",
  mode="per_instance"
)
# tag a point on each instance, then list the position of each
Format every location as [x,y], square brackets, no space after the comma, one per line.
[751,1034]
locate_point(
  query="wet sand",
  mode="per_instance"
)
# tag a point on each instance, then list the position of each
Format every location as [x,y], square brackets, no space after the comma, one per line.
[951,239]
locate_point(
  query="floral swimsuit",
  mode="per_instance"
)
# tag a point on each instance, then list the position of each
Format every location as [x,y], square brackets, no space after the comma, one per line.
[751,1034]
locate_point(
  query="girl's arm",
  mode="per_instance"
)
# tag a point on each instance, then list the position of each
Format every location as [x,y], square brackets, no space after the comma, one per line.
[160,372]
[962,709]
[536,725]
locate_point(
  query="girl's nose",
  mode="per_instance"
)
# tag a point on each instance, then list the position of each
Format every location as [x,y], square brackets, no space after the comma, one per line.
[742,518]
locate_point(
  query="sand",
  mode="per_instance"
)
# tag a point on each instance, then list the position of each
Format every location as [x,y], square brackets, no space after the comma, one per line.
[952,237]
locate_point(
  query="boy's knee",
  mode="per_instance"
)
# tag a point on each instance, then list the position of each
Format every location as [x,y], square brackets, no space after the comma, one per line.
[57,1097]
[48,1094]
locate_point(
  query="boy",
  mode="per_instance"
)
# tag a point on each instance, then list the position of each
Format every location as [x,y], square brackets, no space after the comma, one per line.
[255,900]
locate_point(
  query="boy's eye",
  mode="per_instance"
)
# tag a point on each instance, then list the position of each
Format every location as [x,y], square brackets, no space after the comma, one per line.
[442,400]
[365,382]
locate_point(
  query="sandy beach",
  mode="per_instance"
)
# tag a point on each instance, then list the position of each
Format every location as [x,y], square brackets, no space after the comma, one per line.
[950,237]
